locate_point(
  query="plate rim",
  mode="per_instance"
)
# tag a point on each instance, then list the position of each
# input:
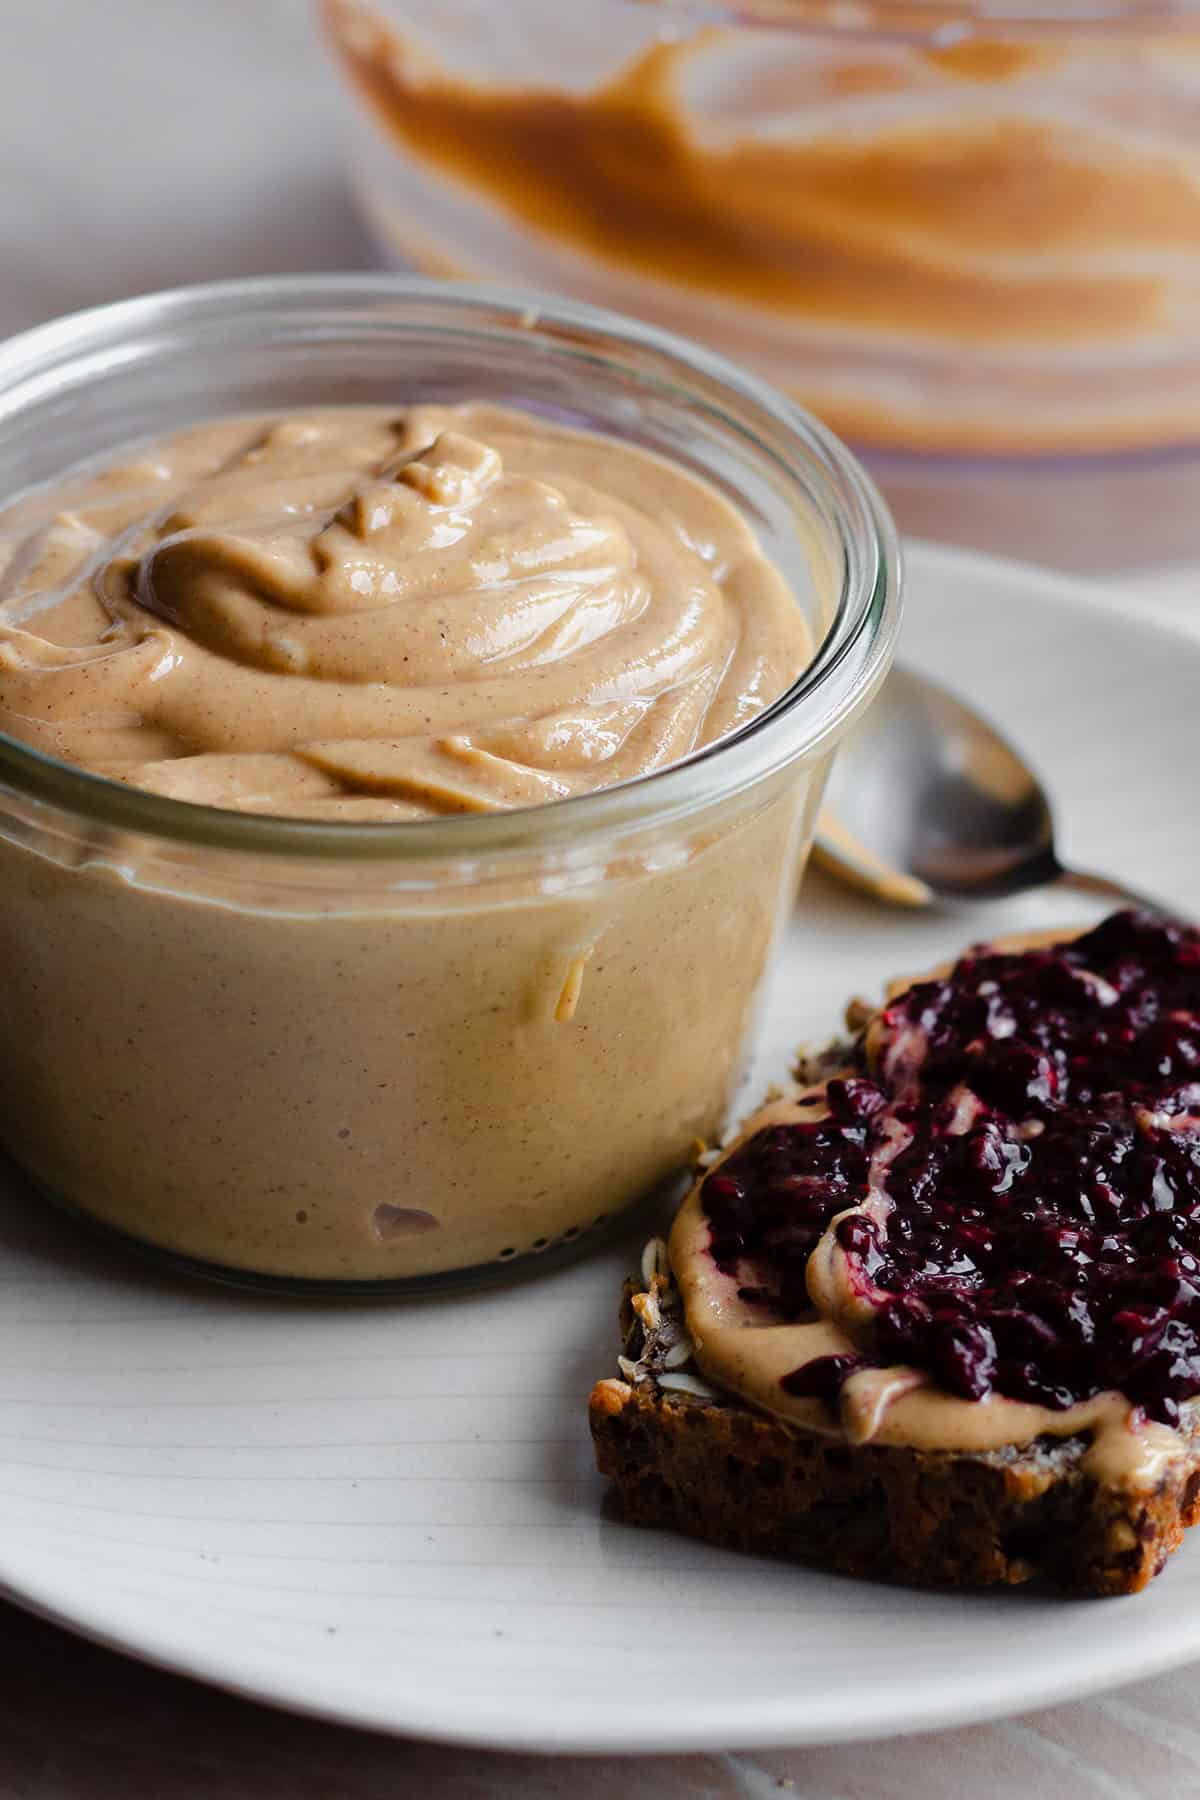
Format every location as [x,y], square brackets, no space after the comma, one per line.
[764,1725]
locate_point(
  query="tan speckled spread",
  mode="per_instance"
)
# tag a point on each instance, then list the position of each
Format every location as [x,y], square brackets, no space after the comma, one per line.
[372,615]
[327,1071]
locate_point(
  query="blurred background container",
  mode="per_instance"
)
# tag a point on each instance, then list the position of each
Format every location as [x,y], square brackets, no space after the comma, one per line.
[968,235]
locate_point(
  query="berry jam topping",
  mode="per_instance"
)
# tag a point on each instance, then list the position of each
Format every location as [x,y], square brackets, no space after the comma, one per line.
[1025,1138]
[822,1378]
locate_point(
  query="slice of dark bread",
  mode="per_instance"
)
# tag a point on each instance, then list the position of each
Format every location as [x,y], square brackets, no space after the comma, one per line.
[681,1455]
[704,1462]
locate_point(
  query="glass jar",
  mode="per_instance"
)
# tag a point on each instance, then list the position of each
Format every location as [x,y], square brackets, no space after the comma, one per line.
[965,232]
[401,1055]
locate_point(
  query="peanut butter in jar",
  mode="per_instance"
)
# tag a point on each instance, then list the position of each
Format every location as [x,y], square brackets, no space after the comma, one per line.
[399,802]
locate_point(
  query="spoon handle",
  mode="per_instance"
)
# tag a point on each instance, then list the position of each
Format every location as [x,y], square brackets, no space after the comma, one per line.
[1083,883]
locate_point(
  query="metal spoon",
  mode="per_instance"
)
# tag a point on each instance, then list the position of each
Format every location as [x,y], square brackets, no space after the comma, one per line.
[928,802]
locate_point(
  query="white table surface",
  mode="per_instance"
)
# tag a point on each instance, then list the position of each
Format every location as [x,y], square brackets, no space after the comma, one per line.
[144,143]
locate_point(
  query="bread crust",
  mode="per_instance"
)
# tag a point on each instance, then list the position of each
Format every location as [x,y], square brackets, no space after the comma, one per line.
[717,1470]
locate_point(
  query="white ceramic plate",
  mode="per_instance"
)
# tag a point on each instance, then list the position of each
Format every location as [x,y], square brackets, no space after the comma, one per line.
[387,1513]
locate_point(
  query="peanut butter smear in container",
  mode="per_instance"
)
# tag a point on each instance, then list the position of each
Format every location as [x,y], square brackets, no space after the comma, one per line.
[946,228]
[383,616]
[414,704]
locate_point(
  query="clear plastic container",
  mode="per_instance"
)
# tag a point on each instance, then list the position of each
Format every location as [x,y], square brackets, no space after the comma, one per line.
[966,234]
[400,1055]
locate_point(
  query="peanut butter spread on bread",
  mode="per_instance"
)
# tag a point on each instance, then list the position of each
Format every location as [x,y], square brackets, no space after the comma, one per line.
[1023,1128]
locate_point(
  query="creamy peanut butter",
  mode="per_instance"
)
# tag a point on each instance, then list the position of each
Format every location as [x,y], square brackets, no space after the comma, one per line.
[364,1069]
[1020,204]
[368,615]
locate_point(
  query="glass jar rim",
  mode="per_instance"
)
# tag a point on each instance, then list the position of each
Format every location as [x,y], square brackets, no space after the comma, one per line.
[845,667]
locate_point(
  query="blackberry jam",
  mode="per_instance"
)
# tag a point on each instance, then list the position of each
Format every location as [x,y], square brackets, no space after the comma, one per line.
[1028,1130]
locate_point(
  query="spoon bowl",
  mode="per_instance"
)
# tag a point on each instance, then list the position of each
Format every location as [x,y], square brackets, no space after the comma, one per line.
[928,802]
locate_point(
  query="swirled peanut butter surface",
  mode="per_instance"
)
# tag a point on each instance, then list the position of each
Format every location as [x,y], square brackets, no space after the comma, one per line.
[363,614]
